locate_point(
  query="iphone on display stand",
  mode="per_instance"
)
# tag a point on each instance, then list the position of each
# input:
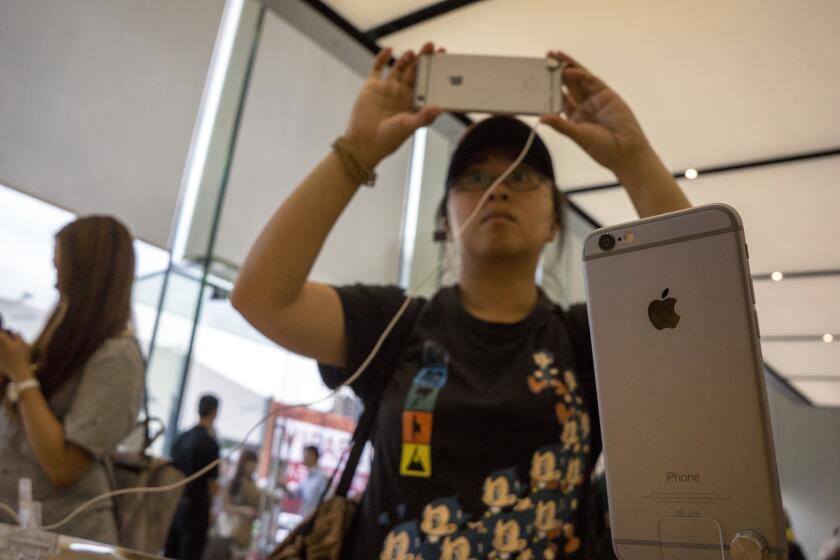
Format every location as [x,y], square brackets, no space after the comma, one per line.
[688,447]
[489,84]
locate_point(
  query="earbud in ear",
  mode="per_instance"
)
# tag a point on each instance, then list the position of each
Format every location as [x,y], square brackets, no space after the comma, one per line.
[440,235]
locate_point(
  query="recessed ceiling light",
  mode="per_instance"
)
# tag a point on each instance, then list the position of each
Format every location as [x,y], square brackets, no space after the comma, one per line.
[777,276]
[690,173]
[828,338]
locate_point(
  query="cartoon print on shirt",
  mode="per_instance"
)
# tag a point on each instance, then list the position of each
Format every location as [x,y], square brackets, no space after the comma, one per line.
[563,412]
[572,541]
[574,474]
[540,550]
[402,543]
[441,518]
[549,512]
[511,533]
[571,434]
[544,374]
[547,467]
[516,524]
[571,381]
[466,545]
[501,490]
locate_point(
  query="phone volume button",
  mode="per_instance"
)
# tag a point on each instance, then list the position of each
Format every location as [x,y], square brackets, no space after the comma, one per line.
[757,329]
[747,249]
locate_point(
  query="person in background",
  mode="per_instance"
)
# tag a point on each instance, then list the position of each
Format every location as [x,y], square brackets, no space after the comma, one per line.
[315,482]
[193,451]
[794,550]
[71,397]
[830,549]
[241,500]
[310,488]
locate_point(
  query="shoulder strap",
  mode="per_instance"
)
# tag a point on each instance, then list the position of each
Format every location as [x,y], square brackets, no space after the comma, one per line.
[360,438]
[364,428]
[148,438]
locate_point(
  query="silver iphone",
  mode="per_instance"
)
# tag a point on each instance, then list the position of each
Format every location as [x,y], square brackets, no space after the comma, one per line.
[691,469]
[489,84]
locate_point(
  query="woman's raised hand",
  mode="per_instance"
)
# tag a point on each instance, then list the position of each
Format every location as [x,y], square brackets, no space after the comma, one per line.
[597,119]
[383,116]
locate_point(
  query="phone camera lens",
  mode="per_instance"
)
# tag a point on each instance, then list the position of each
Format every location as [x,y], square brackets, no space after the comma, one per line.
[606,242]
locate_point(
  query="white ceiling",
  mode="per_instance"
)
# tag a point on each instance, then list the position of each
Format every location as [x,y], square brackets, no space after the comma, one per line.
[98,100]
[713,83]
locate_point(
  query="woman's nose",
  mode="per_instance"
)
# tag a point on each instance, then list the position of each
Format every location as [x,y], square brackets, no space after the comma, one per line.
[499,193]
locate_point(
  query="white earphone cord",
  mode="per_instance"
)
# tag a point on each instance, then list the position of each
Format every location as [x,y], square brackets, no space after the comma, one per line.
[348,381]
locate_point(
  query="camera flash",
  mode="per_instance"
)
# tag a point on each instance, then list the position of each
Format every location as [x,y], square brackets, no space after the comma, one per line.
[629,237]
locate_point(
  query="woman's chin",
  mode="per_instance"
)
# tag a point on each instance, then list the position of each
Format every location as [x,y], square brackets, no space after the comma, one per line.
[501,249]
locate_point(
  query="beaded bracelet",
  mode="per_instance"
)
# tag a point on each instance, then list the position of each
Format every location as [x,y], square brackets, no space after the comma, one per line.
[355,167]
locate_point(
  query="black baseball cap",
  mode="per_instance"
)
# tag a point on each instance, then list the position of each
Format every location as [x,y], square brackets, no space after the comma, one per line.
[499,132]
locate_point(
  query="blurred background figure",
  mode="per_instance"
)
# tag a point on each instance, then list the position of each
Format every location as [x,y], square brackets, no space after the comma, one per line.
[193,451]
[830,549]
[315,482]
[794,550]
[310,489]
[241,504]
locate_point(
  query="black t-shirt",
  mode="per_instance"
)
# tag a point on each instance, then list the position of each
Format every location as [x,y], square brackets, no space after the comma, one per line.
[486,434]
[192,451]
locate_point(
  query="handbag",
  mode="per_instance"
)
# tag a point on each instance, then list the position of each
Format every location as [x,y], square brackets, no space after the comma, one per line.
[321,536]
[143,519]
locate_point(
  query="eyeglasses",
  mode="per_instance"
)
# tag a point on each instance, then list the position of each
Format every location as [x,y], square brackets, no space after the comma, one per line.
[520,179]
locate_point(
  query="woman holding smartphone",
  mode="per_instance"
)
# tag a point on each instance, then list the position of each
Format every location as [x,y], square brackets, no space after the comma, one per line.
[75,393]
[487,430]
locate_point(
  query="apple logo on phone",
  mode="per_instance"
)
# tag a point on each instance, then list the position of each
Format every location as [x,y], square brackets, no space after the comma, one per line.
[456,80]
[661,312]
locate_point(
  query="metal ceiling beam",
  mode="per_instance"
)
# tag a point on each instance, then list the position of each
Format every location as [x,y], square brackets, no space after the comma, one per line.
[419,16]
[583,214]
[750,164]
[339,21]
[798,338]
[817,378]
[800,274]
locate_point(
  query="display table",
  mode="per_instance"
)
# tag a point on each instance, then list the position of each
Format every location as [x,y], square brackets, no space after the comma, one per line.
[40,545]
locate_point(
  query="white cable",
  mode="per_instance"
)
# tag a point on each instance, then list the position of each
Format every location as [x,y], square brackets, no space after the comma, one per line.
[348,381]
[11,512]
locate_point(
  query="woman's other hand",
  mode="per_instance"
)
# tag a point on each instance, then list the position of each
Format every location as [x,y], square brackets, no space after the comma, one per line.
[15,357]
[597,119]
[600,122]
[383,116]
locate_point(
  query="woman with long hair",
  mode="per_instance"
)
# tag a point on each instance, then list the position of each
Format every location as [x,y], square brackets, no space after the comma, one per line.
[72,396]
[487,429]
[241,500]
